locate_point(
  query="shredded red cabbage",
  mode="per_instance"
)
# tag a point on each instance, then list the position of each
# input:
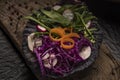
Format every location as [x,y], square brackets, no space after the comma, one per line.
[66,59]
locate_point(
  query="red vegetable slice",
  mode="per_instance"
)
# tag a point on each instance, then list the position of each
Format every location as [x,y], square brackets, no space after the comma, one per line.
[40,28]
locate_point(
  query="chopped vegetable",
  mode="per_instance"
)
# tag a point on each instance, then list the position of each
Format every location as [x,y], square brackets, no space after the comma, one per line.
[71,35]
[30,40]
[58,31]
[49,59]
[67,43]
[63,37]
[68,30]
[58,60]
[85,52]
[40,28]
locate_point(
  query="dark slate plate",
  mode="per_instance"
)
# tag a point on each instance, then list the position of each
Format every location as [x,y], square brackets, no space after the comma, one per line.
[32,61]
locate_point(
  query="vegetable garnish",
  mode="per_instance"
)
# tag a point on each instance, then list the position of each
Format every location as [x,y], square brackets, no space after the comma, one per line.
[63,38]
[85,52]
[67,43]
[30,40]
[40,28]
[71,35]
[59,31]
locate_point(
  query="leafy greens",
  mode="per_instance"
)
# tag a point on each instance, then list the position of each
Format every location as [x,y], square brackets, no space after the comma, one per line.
[53,18]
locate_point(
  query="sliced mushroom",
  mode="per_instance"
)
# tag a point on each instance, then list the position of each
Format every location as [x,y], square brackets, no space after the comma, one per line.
[68,14]
[31,41]
[85,52]
[47,60]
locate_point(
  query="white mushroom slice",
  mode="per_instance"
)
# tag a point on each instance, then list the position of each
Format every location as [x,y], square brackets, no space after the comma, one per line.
[31,41]
[56,7]
[88,24]
[68,14]
[85,52]
[47,59]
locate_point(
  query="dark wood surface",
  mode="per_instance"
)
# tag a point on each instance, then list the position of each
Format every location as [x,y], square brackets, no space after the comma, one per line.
[12,13]
[12,66]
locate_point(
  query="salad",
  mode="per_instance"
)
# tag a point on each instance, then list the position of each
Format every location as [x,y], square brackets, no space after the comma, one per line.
[63,38]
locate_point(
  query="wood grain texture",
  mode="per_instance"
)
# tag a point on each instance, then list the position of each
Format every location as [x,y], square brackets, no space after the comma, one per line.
[12,14]
[12,67]
[105,67]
